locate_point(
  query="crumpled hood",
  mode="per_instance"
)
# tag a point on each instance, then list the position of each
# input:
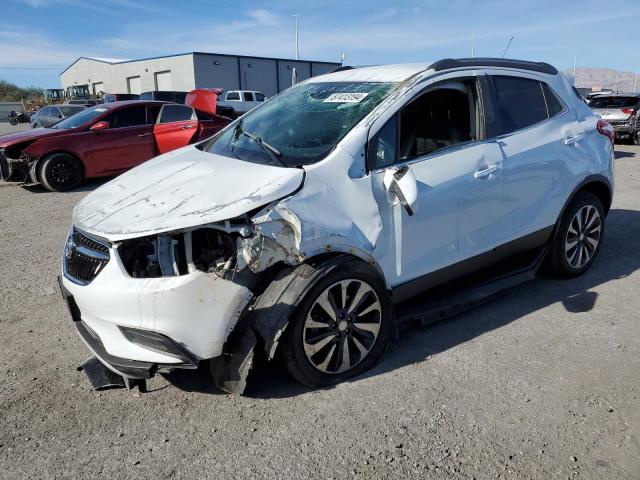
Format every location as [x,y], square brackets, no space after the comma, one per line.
[26,135]
[180,189]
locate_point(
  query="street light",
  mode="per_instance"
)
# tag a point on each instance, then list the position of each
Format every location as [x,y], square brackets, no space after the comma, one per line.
[297,49]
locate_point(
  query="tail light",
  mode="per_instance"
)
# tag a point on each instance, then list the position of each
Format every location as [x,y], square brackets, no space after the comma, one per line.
[627,111]
[604,128]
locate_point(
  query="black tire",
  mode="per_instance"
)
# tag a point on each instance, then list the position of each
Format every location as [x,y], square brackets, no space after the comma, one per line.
[13,121]
[636,138]
[60,172]
[35,125]
[355,275]
[565,259]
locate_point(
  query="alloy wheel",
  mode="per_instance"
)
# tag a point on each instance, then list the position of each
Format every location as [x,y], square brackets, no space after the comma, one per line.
[583,236]
[342,326]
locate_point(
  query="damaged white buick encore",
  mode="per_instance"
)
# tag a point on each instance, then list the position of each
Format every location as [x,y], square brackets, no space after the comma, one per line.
[306,228]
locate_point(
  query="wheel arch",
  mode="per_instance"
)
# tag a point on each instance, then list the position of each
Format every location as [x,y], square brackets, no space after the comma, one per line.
[271,311]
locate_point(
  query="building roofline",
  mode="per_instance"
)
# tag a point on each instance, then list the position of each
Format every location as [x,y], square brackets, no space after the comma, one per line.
[199,53]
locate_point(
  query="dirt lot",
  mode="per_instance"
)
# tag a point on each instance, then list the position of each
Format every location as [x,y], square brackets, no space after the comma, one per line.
[542,383]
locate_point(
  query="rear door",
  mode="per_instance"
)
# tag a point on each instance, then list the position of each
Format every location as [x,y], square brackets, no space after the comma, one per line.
[544,149]
[126,143]
[176,126]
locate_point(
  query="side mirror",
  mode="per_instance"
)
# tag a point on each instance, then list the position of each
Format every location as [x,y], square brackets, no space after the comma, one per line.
[96,127]
[401,182]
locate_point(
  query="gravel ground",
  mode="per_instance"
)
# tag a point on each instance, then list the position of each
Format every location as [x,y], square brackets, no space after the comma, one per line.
[542,383]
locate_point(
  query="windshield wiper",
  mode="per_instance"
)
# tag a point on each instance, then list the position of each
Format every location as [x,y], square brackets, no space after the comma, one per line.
[270,150]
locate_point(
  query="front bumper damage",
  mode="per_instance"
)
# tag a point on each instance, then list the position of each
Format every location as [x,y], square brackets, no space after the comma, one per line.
[21,170]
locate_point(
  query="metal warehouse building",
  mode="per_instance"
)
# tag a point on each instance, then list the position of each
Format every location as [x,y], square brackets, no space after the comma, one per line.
[186,71]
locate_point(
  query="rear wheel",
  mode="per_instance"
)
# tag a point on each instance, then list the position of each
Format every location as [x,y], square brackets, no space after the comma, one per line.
[60,172]
[13,121]
[579,236]
[341,328]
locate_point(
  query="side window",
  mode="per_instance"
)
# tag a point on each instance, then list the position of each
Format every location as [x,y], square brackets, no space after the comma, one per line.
[259,97]
[55,112]
[128,117]
[382,149]
[45,111]
[176,113]
[445,115]
[519,103]
[554,105]
[248,96]
[233,96]
[152,113]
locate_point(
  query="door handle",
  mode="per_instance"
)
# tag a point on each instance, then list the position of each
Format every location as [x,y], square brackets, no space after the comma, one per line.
[144,135]
[487,171]
[573,139]
[187,127]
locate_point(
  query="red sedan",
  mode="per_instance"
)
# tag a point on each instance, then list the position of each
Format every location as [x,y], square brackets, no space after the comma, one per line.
[106,140]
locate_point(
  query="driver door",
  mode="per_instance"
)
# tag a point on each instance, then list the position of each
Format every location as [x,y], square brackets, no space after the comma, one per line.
[438,138]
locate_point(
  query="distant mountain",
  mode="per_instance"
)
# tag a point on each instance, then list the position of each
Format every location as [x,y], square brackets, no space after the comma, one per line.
[604,78]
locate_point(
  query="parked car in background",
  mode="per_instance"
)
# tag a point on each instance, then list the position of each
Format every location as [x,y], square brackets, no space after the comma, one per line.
[102,141]
[47,116]
[165,96]
[303,227]
[241,101]
[622,111]
[118,97]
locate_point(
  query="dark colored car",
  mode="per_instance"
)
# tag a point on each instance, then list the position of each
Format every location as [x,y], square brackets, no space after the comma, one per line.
[47,116]
[164,96]
[104,140]
[119,97]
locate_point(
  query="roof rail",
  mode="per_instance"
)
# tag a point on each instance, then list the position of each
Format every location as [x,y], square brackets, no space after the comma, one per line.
[342,69]
[449,63]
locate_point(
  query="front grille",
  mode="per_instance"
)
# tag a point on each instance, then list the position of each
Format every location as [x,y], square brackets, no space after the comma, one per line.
[84,257]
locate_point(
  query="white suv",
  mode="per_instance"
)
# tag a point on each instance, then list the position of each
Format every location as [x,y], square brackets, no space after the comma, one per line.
[308,227]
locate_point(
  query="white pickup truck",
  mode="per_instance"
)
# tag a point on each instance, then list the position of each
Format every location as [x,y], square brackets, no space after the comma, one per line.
[241,101]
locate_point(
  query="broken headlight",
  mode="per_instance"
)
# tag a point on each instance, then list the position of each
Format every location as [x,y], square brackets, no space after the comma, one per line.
[205,249]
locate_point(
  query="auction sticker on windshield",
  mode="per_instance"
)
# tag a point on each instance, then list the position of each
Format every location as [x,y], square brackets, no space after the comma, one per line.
[345,97]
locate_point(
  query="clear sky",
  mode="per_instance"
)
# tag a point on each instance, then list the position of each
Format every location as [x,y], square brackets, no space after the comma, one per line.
[39,38]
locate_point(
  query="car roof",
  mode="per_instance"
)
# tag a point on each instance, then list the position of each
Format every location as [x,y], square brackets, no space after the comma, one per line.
[403,71]
[123,103]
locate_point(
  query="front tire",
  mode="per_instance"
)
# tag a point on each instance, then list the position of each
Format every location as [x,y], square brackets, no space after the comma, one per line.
[579,236]
[13,121]
[60,172]
[340,329]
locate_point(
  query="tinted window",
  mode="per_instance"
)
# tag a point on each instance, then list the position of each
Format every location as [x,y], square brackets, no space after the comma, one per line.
[613,102]
[519,103]
[233,96]
[68,110]
[554,105]
[259,97]
[175,113]
[248,97]
[44,111]
[55,112]
[440,118]
[383,146]
[128,117]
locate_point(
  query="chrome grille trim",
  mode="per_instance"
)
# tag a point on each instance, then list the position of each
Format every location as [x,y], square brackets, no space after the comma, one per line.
[84,257]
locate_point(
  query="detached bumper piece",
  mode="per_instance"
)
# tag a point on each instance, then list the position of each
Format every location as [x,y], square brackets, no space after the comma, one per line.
[21,170]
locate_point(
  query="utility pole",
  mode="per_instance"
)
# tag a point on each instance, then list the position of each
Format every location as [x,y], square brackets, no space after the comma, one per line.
[508,45]
[297,48]
[575,61]
[473,45]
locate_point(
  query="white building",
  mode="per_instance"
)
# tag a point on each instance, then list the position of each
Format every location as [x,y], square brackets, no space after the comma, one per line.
[186,71]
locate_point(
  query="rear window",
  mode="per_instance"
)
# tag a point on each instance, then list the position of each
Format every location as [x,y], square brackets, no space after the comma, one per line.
[259,97]
[613,102]
[554,104]
[519,103]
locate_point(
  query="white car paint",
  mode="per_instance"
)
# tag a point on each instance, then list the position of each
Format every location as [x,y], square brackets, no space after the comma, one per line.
[333,205]
[241,104]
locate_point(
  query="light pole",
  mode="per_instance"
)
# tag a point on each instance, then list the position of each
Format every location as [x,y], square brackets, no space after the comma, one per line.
[297,48]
